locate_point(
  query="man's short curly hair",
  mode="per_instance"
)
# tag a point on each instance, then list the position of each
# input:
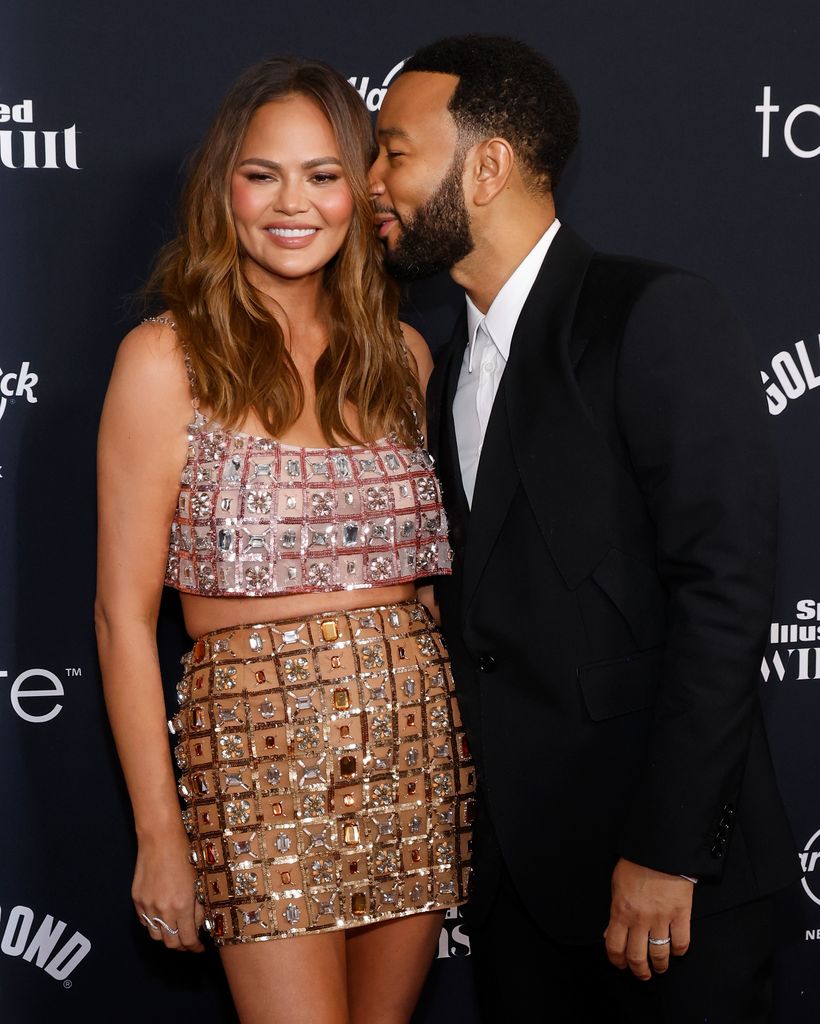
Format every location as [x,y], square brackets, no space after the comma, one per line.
[506,89]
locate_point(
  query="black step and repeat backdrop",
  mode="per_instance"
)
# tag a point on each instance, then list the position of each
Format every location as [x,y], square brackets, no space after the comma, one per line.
[701,147]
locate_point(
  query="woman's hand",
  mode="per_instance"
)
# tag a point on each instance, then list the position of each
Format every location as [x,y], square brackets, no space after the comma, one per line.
[163,890]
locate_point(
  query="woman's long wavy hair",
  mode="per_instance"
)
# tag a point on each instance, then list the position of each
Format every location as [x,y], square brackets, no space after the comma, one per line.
[236,346]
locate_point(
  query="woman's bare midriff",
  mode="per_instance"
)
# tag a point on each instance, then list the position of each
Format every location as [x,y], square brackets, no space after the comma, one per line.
[205,614]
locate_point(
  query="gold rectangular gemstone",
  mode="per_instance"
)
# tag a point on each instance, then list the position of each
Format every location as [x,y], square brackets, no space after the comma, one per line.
[351,834]
[341,698]
[358,904]
[330,631]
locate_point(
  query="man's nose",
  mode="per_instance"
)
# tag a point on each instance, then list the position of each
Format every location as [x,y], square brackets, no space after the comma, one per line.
[375,178]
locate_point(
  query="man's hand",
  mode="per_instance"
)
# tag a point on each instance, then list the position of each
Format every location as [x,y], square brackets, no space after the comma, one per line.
[647,904]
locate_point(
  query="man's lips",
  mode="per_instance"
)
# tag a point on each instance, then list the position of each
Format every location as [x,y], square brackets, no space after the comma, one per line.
[384,222]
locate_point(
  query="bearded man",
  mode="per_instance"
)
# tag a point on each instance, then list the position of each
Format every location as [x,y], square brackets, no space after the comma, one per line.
[602,443]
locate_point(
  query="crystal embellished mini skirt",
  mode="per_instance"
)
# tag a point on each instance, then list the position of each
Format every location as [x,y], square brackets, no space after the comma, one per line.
[325,771]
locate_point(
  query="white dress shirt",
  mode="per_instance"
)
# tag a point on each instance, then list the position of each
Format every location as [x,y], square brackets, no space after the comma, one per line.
[486,357]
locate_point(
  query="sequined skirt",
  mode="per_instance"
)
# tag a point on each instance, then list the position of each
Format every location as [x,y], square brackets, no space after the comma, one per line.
[326,775]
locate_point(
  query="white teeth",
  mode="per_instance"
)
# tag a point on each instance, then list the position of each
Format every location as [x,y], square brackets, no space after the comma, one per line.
[291,232]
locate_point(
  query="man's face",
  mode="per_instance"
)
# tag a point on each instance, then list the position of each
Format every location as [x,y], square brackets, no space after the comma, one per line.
[417,178]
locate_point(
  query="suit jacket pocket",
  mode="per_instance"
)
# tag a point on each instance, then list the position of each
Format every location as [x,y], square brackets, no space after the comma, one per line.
[612,688]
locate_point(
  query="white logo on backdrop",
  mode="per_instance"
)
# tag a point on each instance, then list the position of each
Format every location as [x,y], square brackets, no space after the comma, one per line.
[42,945]
[809,856]
[804,114]
[373,97]
[29,148]
[17,384]
[793,373]
[34,693]
[786,658]
[452,942]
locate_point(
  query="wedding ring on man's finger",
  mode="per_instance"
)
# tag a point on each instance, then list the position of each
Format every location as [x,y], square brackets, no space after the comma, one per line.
[652,942]
[150,922]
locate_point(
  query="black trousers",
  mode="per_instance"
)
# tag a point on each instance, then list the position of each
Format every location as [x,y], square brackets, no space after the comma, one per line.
[525,977]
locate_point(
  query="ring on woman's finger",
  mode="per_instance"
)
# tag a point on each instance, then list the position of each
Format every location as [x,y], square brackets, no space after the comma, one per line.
[652,942]
[149,921]
[159,923]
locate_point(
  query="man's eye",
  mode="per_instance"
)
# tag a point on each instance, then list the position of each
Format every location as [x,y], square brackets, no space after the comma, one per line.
[392,154]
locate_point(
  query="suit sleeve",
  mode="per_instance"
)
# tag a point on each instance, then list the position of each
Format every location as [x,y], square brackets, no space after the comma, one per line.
[694,420]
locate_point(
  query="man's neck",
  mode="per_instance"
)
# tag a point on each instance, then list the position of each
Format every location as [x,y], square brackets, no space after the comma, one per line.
[500,246]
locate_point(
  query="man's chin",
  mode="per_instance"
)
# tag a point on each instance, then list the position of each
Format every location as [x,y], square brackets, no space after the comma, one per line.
[403,269]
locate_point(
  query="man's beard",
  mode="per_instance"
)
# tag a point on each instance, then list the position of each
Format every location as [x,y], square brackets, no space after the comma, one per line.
[438,236]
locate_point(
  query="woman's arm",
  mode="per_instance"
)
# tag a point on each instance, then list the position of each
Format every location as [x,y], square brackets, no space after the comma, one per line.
[422,365]
[142,447]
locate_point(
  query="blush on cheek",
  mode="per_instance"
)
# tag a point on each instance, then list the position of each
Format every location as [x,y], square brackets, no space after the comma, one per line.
[338,209]
[242,202]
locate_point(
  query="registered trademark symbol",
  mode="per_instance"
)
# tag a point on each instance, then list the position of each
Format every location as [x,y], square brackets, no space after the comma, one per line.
[67,983]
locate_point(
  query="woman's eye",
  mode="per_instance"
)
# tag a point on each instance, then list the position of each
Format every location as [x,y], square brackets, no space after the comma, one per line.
[323,178]
[258,176]
[392,154]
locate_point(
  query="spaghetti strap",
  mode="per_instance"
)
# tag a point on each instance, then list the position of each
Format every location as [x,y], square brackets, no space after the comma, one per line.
[189,368]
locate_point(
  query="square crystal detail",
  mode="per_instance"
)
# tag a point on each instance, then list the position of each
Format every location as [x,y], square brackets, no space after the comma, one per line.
[290,636]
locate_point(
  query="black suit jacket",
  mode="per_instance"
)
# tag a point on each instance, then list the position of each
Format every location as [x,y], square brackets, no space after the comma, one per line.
[611,594]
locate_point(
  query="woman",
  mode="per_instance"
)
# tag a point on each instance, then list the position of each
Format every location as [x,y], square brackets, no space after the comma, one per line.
[322,761]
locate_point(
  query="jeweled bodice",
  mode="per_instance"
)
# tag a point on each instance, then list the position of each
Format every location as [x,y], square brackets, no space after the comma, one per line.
[257,517]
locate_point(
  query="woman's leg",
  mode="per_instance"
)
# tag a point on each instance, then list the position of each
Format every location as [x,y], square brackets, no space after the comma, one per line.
[386,967]
[298,980]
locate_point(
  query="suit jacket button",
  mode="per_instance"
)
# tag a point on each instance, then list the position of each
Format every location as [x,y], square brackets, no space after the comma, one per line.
[486,663]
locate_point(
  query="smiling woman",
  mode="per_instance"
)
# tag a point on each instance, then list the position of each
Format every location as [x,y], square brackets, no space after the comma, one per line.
[291,214]
[324,769]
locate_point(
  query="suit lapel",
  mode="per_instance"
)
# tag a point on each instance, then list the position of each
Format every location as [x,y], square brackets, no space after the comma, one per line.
[540,432]
[446,447]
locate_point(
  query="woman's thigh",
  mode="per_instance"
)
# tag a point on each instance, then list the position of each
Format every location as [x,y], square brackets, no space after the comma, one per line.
[386,967]
[298,980]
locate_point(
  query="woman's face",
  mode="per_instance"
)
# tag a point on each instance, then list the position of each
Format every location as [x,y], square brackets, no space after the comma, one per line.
[291,201]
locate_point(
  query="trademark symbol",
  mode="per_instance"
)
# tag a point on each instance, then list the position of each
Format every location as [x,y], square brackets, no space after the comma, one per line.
[73,672]
[68,983]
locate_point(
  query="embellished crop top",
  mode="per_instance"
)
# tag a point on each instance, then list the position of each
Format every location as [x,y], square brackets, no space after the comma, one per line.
[258,517]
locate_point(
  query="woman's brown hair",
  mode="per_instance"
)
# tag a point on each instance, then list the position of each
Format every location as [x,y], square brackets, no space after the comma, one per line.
[236,347]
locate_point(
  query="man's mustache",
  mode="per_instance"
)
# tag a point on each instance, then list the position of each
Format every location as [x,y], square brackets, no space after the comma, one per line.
[381,208]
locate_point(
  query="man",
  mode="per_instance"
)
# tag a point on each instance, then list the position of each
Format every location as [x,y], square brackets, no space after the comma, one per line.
[602,445]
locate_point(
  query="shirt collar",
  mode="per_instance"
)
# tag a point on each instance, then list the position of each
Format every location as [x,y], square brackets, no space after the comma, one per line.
[503,314]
